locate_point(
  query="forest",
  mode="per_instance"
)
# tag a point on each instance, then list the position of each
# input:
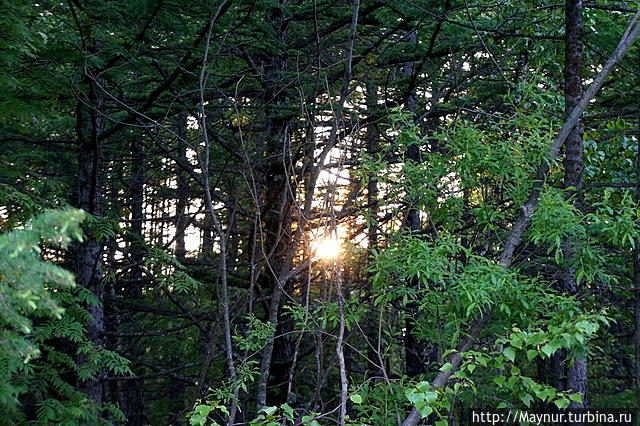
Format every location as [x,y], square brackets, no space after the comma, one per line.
[318,212]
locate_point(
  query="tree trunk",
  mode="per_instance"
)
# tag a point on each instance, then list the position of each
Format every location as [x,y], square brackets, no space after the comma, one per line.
[418,352]
[372,233]
[88,262]
[130,395]
[276,206]
[182,191]
[577,371]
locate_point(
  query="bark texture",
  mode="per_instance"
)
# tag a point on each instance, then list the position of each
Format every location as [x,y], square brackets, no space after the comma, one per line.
[574,164]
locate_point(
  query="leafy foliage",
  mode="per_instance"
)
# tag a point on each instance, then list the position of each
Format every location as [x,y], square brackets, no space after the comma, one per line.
[40,310]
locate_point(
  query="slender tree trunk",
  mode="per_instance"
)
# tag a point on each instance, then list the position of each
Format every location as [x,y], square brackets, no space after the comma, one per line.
[414,364]
[88,262]
[344,381]
[372,232]
[577,370]
[130,395]
[205,163]
[137,217]
[418,352]
[182,191]
[206,247]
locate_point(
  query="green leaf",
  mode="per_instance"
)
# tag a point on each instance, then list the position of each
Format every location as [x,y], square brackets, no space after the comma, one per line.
[287,409]
[546,394]
[547,350]
[425,410]
[526,399]
[356,398]
[446,366]
[430,396]
[269,411]
[509,353]
[562,403]
[576,397]
[423,386]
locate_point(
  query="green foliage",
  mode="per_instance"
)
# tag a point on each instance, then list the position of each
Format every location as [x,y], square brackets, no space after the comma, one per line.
[617,227]
[202,410]
[268,416]
[41,307]
[170,271]
[452,285]
[102,228]
[27,282]
[554,221]
[258,333]
[422,397]
[557,222]
[521,347]
[379,401]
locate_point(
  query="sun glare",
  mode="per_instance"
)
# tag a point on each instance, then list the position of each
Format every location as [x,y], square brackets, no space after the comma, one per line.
[327,248]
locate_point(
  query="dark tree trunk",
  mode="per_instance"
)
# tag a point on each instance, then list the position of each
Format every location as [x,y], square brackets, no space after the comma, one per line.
[276,211]
[206,247]
[418,352]
[577,371]
[87,255]
[137,217]
[573,163]
[130,395]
